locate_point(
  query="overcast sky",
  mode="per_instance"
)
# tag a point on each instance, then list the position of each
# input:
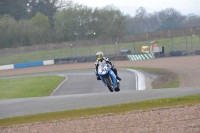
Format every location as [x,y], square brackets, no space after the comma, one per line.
[130,6]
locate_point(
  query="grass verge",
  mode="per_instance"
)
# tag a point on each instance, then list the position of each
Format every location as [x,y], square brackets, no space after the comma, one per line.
[29,86]
[165,78]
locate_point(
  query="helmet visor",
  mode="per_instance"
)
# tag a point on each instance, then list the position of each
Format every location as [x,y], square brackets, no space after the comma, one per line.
[99,56]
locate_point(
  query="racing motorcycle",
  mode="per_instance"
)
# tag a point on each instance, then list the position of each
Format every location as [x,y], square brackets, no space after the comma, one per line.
[108,77]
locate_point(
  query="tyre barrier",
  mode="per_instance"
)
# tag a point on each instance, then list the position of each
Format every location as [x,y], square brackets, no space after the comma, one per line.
[176,53]
[74,60]
[141,56]
[197,52]
[117,57]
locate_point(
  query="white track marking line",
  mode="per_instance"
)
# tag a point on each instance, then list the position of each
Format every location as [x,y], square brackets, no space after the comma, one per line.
[140,80]
[60,84]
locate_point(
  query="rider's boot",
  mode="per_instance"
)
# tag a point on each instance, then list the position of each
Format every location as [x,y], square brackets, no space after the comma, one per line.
[118,78]
[115,71]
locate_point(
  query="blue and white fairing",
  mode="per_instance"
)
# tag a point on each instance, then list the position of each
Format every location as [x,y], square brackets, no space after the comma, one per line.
[104,70]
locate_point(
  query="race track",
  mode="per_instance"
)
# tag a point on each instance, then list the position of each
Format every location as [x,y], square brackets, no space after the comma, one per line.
[77,82]
[82,90]
[85,82]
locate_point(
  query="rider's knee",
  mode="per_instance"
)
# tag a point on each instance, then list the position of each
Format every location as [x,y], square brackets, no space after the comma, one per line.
[98,78]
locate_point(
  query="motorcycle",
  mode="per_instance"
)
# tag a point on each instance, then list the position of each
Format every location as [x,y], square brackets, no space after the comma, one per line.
[108,77]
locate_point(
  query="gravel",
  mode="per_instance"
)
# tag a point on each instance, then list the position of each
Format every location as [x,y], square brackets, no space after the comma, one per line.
[181,119]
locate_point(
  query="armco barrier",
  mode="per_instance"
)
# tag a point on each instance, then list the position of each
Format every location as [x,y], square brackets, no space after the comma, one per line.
[27,64]
[141,56]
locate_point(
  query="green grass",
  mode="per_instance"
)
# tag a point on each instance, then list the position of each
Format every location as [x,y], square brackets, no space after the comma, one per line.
[120,108]
[29,87]
[108,49]
[166,78]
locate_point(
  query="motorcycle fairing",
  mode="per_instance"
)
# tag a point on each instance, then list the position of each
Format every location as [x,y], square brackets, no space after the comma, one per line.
[105,72]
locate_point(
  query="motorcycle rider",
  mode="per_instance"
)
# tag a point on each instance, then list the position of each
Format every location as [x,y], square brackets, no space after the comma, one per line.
[101,58]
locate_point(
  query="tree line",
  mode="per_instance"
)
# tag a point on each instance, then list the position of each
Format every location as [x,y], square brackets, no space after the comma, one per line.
[167,19]
[29,22]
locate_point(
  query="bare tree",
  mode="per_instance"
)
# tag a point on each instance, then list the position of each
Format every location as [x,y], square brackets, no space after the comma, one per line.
[169,19]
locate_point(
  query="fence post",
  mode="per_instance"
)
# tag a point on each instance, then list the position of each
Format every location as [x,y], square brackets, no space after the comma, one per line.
[133,43]
[148,43]
[172,44]
[118,45]
[89,48]
[191,44]
[199,39]
[115,48]
[75,52]
[23,60]
[71,45]
[88,42]
[186,44]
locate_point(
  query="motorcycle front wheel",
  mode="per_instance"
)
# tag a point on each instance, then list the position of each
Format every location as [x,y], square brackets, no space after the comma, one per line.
[109,83]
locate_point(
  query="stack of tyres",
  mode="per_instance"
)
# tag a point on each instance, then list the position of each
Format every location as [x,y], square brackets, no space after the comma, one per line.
[197,52]
[176,53]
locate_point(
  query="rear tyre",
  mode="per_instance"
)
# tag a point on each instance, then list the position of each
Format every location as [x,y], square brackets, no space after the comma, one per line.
[109,83]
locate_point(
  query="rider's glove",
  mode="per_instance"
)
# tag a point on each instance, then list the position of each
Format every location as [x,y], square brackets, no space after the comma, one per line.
[112,67]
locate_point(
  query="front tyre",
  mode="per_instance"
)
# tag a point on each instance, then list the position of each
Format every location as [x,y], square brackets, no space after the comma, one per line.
[109,83]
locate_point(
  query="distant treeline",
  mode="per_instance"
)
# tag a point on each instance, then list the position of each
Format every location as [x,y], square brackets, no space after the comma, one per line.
[30,22]
[181,32]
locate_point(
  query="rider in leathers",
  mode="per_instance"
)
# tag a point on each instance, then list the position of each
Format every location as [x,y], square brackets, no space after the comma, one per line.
[100,58]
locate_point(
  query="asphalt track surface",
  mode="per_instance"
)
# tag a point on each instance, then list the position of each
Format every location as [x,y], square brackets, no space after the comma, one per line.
[77,82]
[82,90]
[84,82]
